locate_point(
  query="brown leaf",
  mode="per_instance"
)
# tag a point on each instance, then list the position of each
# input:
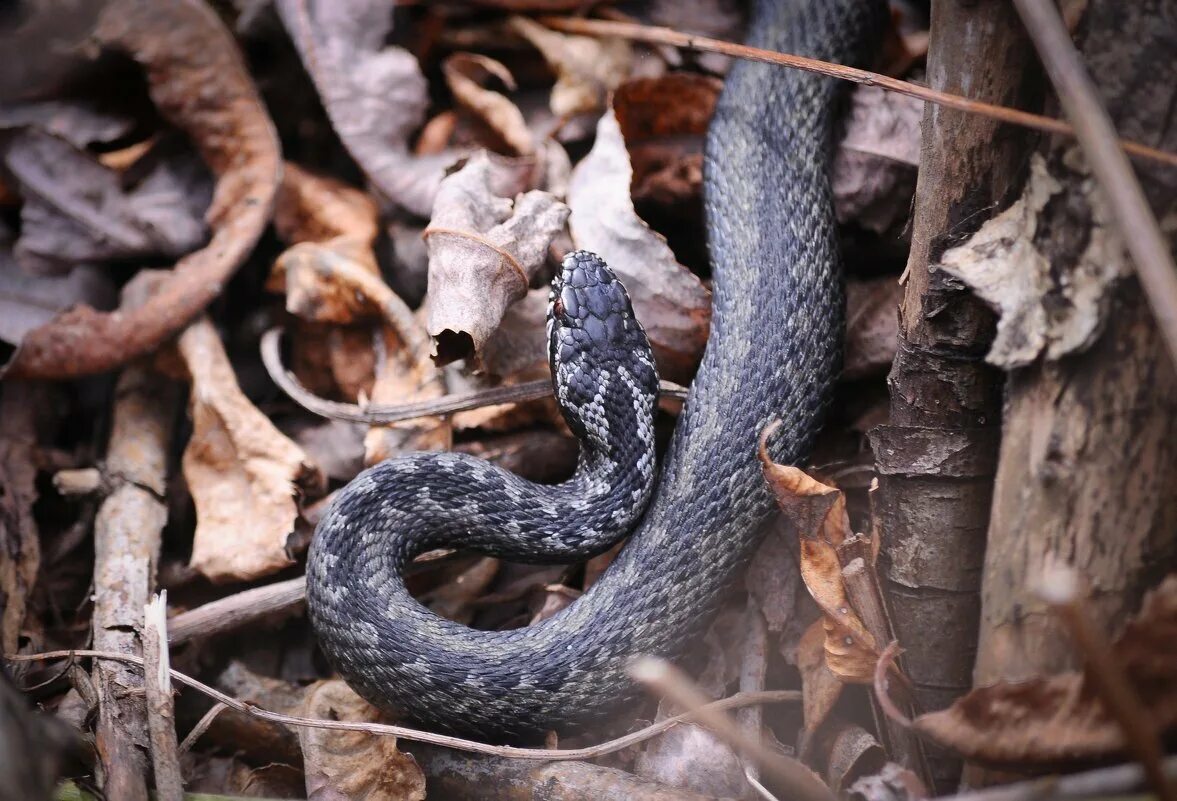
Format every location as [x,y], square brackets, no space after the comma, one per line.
[403,377]
[318,208]
[586,68]
[1062,718]
[820,688]
[76,209]
[374,94]
[671,302]
[483,251]
[244,475]
[464,74]
[819,513]
[875,164]
[198,81]
[18,528]
[351,764]
[455,598]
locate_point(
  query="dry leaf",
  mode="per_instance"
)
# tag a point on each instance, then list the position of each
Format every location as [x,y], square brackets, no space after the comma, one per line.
[818,512]
[483,252]
[374,94]
[820,688]
[76,209]
[586,68]
[244,475]
[74,120]
[875,164]
[852,752]
[350,764]
[29,301]
[892,783]
[1062,718]
[1044,308]
[671,302]
[464,74]
[404,377]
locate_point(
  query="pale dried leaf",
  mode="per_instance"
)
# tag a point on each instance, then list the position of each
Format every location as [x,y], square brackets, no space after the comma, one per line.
[875,164]
[892,783]
[349,764]
[76,209]
[671,302]
[29,301]
[690,757]
[872,326]
[1063,718]
[244,474]
[464,74]
[483,251]
[1045,309]
[853,752]
[403,378]
[374,94]
[74,120]
[587,68]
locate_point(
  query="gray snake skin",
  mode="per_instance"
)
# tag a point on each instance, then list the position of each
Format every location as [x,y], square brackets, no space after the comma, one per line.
[773,352]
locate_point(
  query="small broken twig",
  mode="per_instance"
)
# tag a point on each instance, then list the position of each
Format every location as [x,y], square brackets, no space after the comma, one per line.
[233,611]
[161,713]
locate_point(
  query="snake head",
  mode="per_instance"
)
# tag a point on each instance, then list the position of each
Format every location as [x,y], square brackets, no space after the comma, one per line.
[596,346]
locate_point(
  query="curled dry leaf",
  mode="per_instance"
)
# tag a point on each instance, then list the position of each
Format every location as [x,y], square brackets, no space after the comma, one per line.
[820,688]
[1045,309]
[374,94]
[1062,718]
[875,164]
[76,209]
[406,375]
[483,252]
[586,68]
[671,302]
[464,74]
[819,513]
[352,764]
[244,475]
[199,83]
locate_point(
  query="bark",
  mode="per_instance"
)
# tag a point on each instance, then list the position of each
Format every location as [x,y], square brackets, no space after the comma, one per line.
[937,455]
[1089,460]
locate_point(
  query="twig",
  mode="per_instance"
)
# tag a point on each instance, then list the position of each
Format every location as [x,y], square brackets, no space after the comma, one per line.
[1105,154]
[416,735]
[1060,588]
[201,726]
[161,715]
[666,36]
[665,679]
[1106,782]
[226,614]
[376,414]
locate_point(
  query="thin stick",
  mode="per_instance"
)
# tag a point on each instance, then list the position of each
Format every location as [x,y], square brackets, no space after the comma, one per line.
[387,730]
[666,36]
[161,715]
[226,614]
[1098,138]
[201,726]
[662,677]
[375,414]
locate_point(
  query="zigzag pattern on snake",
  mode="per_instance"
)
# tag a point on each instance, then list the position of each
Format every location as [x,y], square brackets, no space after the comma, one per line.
[773,352]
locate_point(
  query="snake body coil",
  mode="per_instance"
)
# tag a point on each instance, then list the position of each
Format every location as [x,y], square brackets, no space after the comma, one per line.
[773,352]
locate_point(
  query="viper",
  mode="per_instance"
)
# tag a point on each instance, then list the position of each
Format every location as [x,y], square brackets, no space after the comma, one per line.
[773,353]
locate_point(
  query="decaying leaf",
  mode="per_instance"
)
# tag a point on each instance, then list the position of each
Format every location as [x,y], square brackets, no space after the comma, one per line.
[1046,309]
[244,475]
[404,376]
[819,513]
[349,764]
[874,169]
[483,251]
[671,302]
[187,54]
[29,301]
[1063,718]
[872,326]
[464,74]
[454,599]
[820,688]
[76,121]
[586,68]
[75,209]
[374,94]
[892,783]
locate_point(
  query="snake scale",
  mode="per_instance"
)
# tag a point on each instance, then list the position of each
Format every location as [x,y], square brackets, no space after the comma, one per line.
[773,352]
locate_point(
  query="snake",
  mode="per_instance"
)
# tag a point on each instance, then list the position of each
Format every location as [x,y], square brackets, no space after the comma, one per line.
[773,354]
